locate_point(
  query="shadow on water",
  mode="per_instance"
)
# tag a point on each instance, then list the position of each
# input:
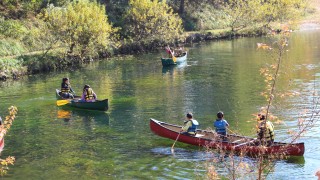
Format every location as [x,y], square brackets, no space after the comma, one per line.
[296,160]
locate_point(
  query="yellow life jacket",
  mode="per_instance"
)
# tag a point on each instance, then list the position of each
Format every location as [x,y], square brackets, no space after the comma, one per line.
[65,88]
[89,94]
[268,133]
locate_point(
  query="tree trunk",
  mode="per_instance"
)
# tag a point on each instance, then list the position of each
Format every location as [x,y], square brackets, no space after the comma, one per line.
[71,48]
[181,8]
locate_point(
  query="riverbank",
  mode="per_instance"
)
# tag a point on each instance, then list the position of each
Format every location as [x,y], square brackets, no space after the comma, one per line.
[16,66]
[19,61]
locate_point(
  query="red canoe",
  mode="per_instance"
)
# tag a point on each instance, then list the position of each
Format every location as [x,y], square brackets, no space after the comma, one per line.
[233,142]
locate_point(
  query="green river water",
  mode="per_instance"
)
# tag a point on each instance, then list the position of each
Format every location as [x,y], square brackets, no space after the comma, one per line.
[51,142]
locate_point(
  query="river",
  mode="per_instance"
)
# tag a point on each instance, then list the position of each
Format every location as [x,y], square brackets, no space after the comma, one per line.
[51,142]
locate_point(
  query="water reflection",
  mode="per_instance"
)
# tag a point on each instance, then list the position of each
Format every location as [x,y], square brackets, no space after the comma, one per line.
[64,114]
[174,68]
[296,160]
[184,154]
[217,76]
[87,116]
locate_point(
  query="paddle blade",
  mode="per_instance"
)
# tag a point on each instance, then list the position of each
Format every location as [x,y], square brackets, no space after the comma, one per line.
[62,102]
[172,151]
[174,59]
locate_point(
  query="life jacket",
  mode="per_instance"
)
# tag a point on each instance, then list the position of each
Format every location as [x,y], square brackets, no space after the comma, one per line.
[65,88]
[89,94]
[193,128]
[220,126]
[268,133]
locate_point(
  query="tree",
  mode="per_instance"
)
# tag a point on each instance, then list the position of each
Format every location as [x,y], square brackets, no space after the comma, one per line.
[152,20]
[81,25]
[181,7]
[239,14]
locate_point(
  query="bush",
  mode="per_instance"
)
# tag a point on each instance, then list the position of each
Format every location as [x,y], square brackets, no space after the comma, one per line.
[10,47]
[50,62]
[148,20]
[11,68]
[12,28]
[81,25]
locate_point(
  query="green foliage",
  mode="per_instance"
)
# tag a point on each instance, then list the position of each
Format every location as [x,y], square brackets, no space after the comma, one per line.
[12,28]
[82,26]
[37,63]
[116,9]
[10,47]
[279,10]
[20,8]
[152,20]
[239,14]
[8,64]
[10,67]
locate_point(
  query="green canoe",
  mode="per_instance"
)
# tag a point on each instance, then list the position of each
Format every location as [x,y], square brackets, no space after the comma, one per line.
[169,61]
[100,105]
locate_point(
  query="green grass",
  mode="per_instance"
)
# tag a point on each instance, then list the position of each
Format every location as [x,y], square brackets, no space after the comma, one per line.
[9,47]
[11,67]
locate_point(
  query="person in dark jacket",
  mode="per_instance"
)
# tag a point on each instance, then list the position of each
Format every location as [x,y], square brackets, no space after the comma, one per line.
[66,90]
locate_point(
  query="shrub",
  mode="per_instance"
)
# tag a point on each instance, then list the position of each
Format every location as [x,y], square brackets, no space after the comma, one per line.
[12,28]
[148,20]
[11,68]
[81,25]
[10,47]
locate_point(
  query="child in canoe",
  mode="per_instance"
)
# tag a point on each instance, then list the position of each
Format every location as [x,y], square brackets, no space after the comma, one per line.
[190,126]
[66,90]
[88,95]
[221,124]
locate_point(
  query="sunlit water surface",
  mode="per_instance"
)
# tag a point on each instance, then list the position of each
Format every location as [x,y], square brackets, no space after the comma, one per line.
[51,142]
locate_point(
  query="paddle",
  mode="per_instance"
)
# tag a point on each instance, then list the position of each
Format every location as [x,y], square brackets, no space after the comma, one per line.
[173,57]
[172,150]
[62,102]
[230,130]
[245,143]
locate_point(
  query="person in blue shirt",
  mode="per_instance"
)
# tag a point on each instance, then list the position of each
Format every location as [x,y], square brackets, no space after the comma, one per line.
[221,124]
[190,126]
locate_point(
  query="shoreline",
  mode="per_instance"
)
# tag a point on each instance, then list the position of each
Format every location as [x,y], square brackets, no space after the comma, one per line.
[33,62]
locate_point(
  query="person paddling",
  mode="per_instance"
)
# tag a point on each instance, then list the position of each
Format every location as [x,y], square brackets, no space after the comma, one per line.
[66,89]
[190,125]
[221,125]
[88,95]
[169,51]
